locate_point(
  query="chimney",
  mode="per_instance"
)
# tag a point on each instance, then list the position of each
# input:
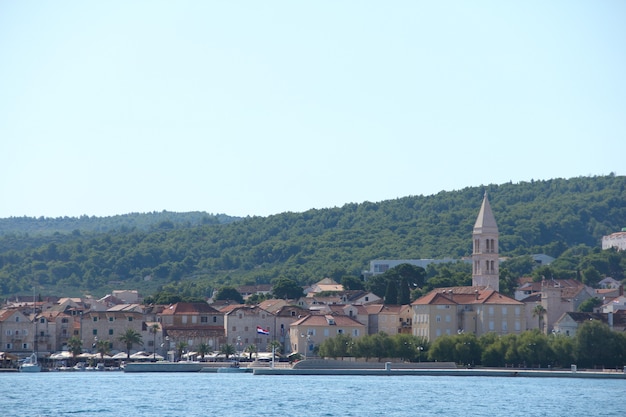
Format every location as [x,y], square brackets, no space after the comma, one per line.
[476,294]
[611,320]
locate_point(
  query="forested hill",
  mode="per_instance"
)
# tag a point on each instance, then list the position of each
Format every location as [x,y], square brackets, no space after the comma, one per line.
[124,222]
[533,217]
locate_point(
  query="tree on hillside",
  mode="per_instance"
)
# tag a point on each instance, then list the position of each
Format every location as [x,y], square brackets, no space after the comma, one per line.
[286,288]
[391,294]
[229,293]
[350,282]
[589,304]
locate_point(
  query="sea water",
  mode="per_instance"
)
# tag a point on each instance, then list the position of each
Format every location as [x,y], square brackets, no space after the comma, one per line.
[115,394]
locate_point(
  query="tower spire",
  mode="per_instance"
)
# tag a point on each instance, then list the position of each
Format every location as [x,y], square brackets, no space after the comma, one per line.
[485,270]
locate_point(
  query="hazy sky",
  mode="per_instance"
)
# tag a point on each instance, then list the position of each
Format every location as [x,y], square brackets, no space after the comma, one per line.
[257,108]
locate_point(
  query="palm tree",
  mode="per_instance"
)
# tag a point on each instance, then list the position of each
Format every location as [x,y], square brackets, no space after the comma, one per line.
[154,328]
[203,349]
[539,311]
[75,346]
[130,337]
[180,348]
[228,350]
[274,346]
[250,350]
[103,347]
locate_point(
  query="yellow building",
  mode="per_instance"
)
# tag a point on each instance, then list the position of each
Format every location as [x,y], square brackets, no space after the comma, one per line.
[478,310]
[310,331]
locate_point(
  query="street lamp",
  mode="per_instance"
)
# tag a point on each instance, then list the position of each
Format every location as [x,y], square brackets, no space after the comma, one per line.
[419,353]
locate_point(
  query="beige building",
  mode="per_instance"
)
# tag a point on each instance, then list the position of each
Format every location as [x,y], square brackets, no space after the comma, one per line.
[477,310]
[193,324]
[54,328]
[557,297]
[391,319]
[241,324]
[17,332]
[310,331]
[110,325]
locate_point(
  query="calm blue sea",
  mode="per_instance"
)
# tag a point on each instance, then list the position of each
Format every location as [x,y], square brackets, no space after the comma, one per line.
[118,394]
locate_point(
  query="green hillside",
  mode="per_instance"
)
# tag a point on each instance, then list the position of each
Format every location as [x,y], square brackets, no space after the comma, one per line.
[549,217]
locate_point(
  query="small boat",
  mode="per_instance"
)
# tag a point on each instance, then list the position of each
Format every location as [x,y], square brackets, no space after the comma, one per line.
[30,364]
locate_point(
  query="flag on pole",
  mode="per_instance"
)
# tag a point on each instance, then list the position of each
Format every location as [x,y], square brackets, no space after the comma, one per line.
[261,330]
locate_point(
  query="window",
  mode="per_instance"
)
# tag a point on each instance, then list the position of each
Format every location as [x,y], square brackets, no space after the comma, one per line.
[95,332]
[64,332]
[8,332]
[326,333]
[518,326]
[111,318]
[504,311]
[24,345]
[517,311]
[438,319]
[110,332]
[339,331]
[214,319]
[505,326]
[184,319]
[491,325]
[9,346]
[64,320]
[355,332]
[194,319]
[42,320]
[42,334]
[130,319]
[17,319]
[448,318]
[204,319]
[245,329]
[491,311]
[95,319]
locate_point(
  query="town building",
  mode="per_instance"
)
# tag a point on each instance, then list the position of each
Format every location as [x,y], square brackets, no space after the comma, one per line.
[615,240]
[390,319]
[110,325]
[191,324]
[250,325]
[313,330]
[569,323]
[477,310]
[480,308]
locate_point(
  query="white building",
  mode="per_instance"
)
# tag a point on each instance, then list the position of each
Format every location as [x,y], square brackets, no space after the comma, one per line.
[615,240]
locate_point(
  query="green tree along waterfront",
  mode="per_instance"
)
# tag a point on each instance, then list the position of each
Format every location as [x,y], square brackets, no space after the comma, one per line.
[563,218]
[593,346]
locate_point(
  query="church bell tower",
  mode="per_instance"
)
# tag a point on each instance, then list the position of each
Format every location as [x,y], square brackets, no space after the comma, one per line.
[485,271]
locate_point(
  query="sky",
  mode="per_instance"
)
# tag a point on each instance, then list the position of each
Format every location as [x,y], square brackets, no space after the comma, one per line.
[253,108]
